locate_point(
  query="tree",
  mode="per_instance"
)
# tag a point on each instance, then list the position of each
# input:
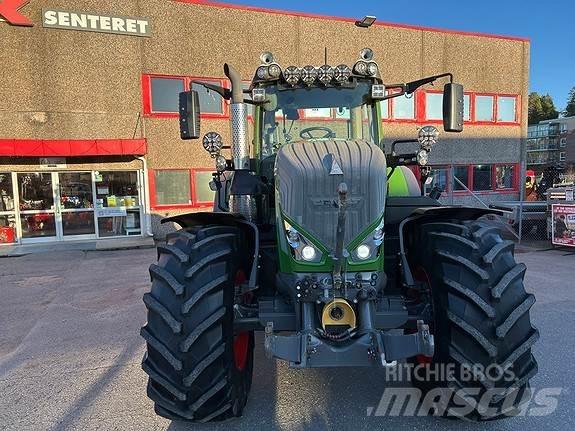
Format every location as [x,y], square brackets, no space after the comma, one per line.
[570,109]
[541,108]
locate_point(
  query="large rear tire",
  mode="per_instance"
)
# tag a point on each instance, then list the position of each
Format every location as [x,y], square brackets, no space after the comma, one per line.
[481,317]
[199,369]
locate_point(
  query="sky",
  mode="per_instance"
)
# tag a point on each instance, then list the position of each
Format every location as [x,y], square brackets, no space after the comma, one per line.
[549,25]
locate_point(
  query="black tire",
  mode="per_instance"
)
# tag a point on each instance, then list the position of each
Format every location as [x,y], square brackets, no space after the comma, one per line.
[481,316]
[193,374]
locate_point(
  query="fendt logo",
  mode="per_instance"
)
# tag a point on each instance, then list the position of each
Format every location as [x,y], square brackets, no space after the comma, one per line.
[9,11]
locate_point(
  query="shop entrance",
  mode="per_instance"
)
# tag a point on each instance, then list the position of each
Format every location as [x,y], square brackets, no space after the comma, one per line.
[66,205]
[56,205]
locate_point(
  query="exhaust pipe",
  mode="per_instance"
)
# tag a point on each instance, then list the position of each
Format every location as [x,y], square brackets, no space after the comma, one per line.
[239,121]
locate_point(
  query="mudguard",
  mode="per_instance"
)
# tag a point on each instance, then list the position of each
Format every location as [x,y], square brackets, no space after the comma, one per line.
[249,229]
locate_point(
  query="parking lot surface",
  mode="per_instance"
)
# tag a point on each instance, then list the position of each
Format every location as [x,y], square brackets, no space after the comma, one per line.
[70,355]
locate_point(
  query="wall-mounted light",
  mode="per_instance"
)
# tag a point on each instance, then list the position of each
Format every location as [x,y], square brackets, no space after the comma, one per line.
[366,21]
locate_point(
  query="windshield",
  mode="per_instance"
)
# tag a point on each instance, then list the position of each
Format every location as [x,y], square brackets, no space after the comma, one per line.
[329,113]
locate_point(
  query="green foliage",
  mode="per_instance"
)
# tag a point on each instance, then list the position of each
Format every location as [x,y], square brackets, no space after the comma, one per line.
[570,109]
[541,108]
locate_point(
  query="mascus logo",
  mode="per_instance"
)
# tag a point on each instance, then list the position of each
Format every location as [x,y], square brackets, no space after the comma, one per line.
[9,11]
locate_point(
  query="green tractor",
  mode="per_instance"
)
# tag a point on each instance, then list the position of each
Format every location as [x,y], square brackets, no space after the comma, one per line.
[327,245]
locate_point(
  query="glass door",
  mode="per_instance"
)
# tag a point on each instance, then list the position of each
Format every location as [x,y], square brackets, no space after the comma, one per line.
[8,229]
[75,213]
[37,196]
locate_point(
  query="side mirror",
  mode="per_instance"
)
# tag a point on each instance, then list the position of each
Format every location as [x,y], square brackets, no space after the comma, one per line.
[453,107]
[189,115]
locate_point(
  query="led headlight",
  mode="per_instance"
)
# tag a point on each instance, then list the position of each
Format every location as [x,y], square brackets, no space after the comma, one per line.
[427,137]
[212,143]
[372,68]
[274,71]
[301,248]
[342,73]
[263,72]
[325,74]
[369,248]
[422,157]
[292,75]
[308,75]
[363,252]
[360,67]
[308,253]
[221,163]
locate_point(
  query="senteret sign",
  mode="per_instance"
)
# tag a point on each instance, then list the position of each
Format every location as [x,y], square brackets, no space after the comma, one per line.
[9,10]
[73,20]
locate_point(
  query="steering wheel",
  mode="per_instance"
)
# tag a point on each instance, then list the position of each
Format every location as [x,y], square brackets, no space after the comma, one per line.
[307,133]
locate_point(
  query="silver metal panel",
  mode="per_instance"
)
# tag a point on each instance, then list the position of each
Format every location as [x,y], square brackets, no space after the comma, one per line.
[240,140]
[307,191]
[245,205]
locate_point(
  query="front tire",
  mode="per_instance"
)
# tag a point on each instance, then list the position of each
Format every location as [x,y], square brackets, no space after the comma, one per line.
[481,318]
[199,369]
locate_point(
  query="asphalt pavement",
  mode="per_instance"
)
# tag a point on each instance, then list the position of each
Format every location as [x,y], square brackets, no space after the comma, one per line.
[70,355]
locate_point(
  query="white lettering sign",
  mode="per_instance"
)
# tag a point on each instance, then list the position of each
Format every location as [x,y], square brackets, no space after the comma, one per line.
[72,20]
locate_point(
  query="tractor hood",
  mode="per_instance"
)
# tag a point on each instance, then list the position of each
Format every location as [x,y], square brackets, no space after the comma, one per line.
[308,174]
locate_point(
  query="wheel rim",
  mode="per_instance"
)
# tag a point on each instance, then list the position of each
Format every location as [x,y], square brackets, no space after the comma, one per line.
[241,340]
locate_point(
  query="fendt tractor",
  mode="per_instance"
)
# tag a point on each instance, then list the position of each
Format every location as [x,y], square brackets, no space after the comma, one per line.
[327,244]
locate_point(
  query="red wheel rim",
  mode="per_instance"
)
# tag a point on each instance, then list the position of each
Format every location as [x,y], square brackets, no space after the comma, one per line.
[420,274]
[241,340]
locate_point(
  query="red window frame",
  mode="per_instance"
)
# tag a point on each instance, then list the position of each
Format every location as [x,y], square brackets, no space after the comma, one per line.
[147,95]
[193,195]
[472,109]
[494,189]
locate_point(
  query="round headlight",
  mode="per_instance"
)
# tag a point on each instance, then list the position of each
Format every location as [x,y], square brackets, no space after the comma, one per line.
[263,72]
[427,137]
[422,157]
[366,53]
[308,253]
[360,67]
[274,71]
[221,163]
[363,251]
[212,142]
[325,74]
[342,73]
[292,75]
[308,75]
[372,68]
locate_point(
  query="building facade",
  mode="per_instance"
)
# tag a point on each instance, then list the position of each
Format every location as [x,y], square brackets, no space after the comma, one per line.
[552,143]
[89,140]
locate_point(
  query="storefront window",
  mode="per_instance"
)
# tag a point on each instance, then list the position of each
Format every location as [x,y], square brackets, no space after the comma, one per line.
[404,107]
[460,172]
[202,185]
[481,177]
[173,187]
[36,191]
[504,176]
[483,108]
[117,203]
[6,192]
[433,106]
[506,108]
[165,94]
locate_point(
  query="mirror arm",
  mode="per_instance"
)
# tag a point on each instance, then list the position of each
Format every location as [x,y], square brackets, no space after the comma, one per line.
[410,87]
[224,92]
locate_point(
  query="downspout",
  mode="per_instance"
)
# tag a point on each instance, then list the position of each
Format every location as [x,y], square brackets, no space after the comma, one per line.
[147,207]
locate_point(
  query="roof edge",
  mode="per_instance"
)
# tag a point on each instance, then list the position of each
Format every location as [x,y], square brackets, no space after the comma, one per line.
[345,19]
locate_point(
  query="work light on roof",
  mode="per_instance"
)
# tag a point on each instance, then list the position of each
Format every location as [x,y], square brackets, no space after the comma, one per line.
[342,73]
[325,74]
[309,75]
[292,74]
[372,68]
[366,54]
[360,68]
[274,71]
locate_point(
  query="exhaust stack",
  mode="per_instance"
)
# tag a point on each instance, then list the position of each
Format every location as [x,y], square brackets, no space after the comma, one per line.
[239,121]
